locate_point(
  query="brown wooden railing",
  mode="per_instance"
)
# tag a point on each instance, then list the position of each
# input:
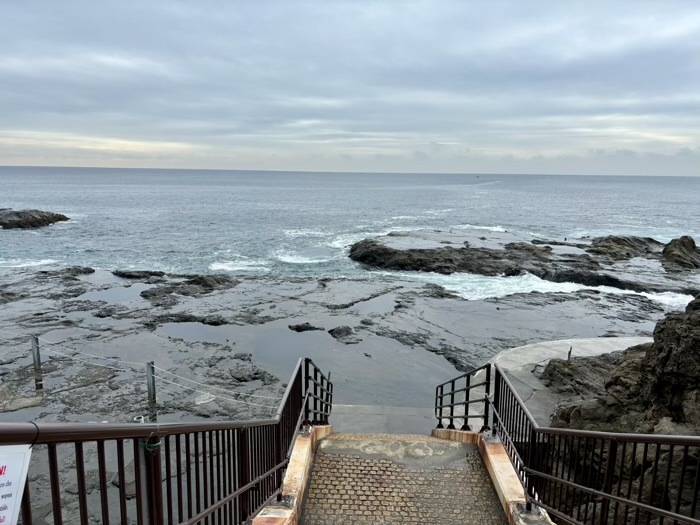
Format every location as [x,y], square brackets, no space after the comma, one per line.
[594,478]
[186,473]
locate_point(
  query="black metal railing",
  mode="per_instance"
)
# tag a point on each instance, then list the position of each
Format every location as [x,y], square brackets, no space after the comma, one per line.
[584,477]
[460,399]
[186,473]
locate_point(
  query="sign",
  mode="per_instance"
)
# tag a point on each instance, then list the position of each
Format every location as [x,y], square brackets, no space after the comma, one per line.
[14,463]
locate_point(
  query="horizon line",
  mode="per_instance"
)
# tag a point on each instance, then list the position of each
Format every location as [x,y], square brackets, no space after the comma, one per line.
[367,172]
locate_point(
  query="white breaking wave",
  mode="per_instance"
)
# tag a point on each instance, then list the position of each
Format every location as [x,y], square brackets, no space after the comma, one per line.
[344,240]
[240,264]
[290,257]
[17,263]
[474,287]
[305,233]
[500,229]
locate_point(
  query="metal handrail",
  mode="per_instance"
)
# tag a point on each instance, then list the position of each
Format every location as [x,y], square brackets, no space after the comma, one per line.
[216,471]
[586,477]
[441,405]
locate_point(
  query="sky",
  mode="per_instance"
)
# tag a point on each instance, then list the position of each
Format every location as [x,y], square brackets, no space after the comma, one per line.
[562,87]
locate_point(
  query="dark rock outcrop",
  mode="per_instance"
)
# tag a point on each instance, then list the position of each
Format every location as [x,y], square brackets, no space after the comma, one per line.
[651,387]
[621,248]
[10,219]
[680,254]
[344,334]
[518,258]
[137,274]
[304,327]
[672,368]
[192,286]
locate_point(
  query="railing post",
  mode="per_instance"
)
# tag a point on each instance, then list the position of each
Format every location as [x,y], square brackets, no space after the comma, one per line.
[152,482]
[451,426]
[151,381]
[244,473]
[487,398]
[608,479]
[496,400]
[530,464]
[327,397]
[307,410]
[316,396]
[438,406]
[467,396]
[279,475]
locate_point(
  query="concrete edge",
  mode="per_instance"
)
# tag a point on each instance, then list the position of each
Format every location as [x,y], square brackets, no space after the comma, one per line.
[503,476]
[295,480]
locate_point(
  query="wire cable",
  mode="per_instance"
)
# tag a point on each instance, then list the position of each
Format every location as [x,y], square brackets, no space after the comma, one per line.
[115,359]
[214,395]
[215,387]
[84,361]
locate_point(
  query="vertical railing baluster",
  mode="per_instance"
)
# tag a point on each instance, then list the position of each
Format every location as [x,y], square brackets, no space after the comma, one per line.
[178,466]
[244,472]
[487,398]
[55,485]
[124,520]
[82,490]
[452,405]
[197,475]
[102,474]
[27,504]
[168,483]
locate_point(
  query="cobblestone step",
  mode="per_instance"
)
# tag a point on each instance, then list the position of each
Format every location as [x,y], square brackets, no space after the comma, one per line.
[360,479]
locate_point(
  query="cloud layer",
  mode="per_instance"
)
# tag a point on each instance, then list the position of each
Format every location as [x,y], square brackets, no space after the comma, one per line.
[546,87]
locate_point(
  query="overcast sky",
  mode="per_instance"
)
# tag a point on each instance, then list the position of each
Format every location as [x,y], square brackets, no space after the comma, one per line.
[496,86]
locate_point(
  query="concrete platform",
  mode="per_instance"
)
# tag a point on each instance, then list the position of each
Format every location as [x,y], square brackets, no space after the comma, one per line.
[383,419]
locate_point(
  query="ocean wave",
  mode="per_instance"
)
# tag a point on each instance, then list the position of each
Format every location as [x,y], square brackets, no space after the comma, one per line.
[475,287]
[344,240]
[291,257]
[241,264]
[18,263]
[500,229]
[305,233]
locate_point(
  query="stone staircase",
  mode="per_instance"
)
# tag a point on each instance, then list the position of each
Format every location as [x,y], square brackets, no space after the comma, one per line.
[390,479]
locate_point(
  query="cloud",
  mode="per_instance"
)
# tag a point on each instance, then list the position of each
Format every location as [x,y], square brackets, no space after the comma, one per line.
[368,85]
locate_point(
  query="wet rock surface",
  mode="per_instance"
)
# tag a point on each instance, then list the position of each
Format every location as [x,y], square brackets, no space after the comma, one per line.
[304,327]
[681,254]
[28,218]
[602,261]
[224,347]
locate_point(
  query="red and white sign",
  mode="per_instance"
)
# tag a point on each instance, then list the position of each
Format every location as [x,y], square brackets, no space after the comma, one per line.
[14,463]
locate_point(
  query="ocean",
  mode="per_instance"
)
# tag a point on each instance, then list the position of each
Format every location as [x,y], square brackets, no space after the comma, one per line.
[292,224]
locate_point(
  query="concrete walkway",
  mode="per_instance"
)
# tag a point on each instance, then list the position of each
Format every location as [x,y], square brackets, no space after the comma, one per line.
[522,363]
[360,479]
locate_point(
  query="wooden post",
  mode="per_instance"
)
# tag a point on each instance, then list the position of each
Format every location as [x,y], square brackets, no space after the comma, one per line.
[151,381]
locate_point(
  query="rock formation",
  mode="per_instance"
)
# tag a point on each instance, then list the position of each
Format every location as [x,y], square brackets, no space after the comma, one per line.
[28,218]
[652,388]
[587,264]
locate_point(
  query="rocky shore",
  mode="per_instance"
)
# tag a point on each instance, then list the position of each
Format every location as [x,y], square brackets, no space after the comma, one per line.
[388,339]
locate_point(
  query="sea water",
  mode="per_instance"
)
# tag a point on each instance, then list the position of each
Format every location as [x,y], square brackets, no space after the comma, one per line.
[293,224]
